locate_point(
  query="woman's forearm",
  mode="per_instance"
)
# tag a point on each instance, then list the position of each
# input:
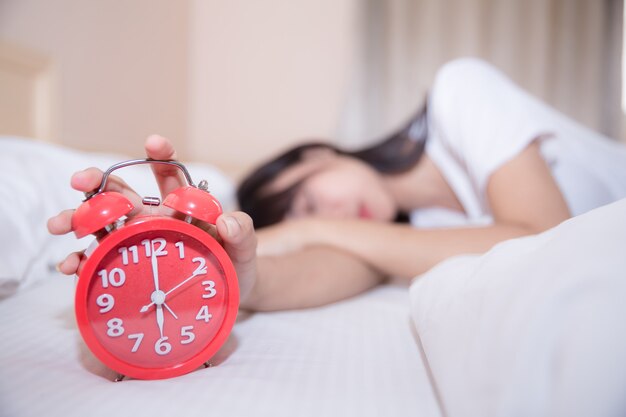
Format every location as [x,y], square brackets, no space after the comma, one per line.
[311,277]
[402,251]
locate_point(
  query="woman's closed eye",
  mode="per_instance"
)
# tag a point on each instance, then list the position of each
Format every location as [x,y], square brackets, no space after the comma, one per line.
[304,204]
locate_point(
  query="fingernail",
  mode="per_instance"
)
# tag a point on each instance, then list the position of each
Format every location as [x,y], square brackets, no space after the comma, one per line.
[232,225]
[58,267]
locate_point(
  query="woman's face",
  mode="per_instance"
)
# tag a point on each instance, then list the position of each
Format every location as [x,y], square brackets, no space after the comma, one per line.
[336,186]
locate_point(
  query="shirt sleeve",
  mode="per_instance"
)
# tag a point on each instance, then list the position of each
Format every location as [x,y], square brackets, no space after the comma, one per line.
[483,119]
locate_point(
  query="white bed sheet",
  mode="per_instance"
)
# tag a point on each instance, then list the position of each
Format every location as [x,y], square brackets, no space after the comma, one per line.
[357,357]
[354,358]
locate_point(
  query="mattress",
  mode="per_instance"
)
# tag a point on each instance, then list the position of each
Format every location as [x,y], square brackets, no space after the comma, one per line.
[358,357]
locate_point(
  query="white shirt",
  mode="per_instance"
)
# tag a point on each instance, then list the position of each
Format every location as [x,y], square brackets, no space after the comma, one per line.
[479,120]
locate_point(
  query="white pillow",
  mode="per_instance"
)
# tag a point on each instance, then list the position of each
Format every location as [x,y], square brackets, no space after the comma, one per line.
[34,185]
[535,327]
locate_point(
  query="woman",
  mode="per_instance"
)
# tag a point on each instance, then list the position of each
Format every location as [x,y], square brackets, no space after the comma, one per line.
[484,162]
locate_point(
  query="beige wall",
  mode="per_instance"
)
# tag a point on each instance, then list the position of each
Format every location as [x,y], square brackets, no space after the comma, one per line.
[26,92]
[119,67]
[230,81]
[265,74]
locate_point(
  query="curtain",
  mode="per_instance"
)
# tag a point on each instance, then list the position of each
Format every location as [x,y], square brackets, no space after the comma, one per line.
[566,52]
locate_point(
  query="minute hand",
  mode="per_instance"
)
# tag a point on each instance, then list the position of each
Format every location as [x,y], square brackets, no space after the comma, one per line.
[180,284]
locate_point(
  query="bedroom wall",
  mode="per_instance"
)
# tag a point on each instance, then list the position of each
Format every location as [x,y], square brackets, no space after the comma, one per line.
[229,81]
[233,82]
[266,74]
[119,68]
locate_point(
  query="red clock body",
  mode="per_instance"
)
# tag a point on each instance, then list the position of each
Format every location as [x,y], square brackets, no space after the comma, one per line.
[156,298]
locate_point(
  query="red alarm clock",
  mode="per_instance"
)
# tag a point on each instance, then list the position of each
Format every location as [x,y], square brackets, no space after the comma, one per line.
[157,296]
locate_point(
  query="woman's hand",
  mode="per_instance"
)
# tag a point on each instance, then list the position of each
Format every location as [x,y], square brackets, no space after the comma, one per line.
[168,178]
[289,236]
[234,230]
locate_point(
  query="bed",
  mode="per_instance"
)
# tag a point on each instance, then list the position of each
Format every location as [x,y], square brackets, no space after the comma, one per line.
[533,327]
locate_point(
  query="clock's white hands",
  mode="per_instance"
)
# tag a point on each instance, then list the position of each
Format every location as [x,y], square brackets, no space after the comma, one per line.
[155,269]
[157,296]
[180,284]
[160,318]
[170,310]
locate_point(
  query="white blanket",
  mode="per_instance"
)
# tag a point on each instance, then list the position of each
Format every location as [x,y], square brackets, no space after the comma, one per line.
[535,327]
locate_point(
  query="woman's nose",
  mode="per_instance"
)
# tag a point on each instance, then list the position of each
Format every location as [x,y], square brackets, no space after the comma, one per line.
[335,208]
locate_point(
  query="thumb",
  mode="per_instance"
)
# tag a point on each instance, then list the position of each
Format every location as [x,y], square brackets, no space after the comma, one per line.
[237,233]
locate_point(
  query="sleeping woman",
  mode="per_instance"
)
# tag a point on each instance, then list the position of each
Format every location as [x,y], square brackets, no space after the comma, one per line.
[482,162]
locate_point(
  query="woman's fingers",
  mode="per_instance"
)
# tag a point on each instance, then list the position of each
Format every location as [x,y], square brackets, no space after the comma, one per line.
[61,223]
[157,147]
[168,177]
[90,179]
[86,180]
[72,264]
[282,238]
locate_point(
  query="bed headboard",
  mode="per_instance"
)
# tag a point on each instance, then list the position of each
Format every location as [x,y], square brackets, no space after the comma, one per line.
[26,93]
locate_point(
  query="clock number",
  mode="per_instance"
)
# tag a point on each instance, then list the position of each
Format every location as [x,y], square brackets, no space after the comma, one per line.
[181,249]
[162,347]
[139,338]
[115,328]
[203,314]
[133,252]
[186,331]
[201,269]
[106,301]
[209,287]
[149,244]
[116,277]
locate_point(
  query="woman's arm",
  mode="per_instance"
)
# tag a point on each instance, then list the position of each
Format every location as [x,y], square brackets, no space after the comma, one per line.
[522,194]
[312,277]
[403,252]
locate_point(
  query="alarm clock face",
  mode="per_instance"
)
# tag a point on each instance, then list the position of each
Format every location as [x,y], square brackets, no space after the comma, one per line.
[157,298]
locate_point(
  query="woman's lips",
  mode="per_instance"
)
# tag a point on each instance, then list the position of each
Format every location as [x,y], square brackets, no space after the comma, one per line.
[364,212]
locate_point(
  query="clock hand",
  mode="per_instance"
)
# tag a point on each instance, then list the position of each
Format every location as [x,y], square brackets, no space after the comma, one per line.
[170,310]
[158,294]
[155,269]
[159,317]
[180,284]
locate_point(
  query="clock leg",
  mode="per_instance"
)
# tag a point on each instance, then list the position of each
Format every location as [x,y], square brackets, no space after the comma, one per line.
[208,364]
[119,378]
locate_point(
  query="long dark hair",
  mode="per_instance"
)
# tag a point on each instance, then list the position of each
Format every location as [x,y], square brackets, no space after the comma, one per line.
[394,154]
